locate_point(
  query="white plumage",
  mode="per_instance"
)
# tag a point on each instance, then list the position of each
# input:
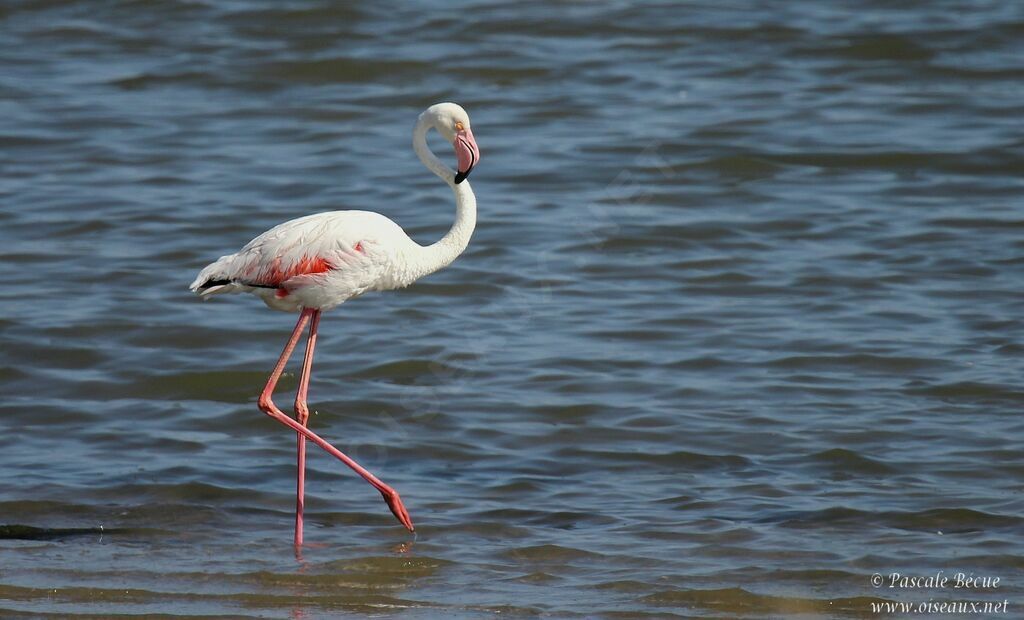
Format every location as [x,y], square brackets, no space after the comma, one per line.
[318,261]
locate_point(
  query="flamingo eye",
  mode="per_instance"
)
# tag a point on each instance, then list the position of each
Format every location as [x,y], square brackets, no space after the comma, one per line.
[459,126]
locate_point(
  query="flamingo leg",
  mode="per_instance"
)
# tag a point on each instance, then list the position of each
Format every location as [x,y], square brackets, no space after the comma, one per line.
[286,354]
[302,415]
[267,406]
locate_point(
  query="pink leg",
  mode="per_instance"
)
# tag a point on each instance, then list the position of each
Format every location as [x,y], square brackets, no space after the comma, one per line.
[302,414]
[267,405]
[287,353]
[269,389]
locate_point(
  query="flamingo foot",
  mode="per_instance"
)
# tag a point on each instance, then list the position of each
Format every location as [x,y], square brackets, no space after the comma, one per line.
[397,508]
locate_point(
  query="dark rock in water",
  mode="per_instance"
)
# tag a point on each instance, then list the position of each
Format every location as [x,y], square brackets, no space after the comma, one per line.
[27,532]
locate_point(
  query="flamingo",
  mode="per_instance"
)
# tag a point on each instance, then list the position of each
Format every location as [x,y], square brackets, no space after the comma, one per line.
[317,262]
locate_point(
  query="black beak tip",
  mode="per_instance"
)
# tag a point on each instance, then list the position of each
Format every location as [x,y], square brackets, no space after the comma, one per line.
[461,176]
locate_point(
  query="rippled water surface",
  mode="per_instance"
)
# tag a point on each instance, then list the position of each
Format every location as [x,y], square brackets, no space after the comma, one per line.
[740,325]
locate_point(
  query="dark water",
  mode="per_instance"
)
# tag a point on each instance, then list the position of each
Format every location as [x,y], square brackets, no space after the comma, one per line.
[739,328]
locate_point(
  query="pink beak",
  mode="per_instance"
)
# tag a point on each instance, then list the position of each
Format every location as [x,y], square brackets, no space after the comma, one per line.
[467,152]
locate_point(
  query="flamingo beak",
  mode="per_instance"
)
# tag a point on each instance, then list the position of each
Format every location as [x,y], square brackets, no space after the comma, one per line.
[467,152]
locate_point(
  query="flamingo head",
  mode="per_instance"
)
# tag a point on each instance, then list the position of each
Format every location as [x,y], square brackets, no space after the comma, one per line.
[452,122]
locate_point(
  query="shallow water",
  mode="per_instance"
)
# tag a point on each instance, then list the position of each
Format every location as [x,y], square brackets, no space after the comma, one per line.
[739,328]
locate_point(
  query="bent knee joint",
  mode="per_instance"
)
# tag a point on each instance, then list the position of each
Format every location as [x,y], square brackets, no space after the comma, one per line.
[266,405]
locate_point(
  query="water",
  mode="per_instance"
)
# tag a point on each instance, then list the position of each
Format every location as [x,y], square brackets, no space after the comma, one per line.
[739,328]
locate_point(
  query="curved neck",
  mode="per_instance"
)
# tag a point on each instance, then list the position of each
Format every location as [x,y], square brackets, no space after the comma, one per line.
[441,254]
